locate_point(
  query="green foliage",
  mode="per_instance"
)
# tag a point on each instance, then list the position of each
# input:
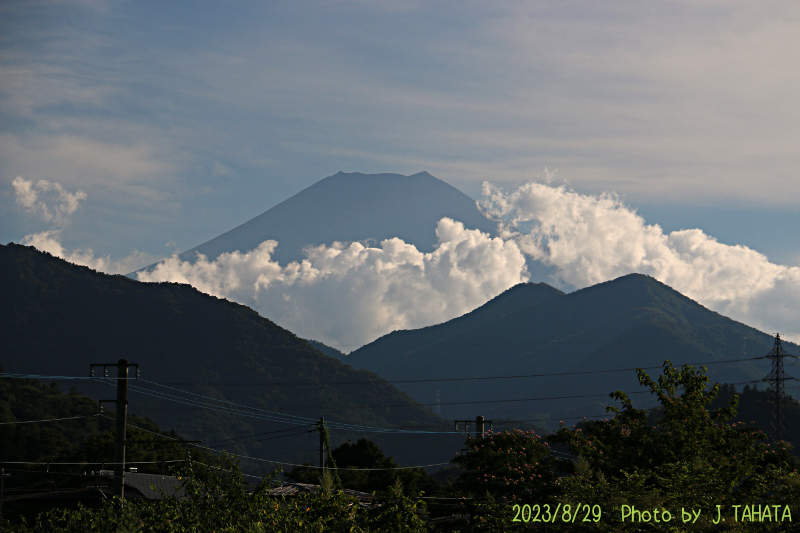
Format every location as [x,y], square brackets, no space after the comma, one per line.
[218,499]
[354,464]
[26,399]
[692,458]
[397,511]
[86,441]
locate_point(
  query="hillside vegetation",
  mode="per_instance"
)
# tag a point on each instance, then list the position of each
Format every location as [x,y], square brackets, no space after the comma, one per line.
[62,317]
[683,467]
[538,332]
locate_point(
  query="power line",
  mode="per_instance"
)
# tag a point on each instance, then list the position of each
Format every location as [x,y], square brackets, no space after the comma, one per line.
[249,436]
[210,444]
[386,430]
[289,464]
[262,440]
[552,417]
[29,471]
[507,400]
[551,342]
[272,416]
[250,414]
[148,431]
[283,418]
[117,342]
[262,413]
[47,420]
[60,378]
[372,382]
[88,463]
[259,434]
[375,382]
[365,428]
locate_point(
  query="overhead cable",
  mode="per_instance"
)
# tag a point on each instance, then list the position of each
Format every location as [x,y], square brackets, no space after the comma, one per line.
[47,420]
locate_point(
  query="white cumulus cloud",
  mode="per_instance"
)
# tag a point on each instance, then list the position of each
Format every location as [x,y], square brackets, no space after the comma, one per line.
[589,239]
[54,204]
[46,199]
[350,294]
[50,241]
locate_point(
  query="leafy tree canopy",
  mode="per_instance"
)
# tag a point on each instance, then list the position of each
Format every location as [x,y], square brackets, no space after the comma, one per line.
[693,458]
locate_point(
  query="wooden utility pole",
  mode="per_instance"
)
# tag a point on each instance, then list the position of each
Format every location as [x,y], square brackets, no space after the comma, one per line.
[122,429]
[322,443]
[479,426]
[122,422]
[3,477]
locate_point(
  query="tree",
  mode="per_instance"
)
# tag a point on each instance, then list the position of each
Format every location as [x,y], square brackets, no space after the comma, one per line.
[501,470]
[364,467]
[693,458]
[219,499]
[515,465]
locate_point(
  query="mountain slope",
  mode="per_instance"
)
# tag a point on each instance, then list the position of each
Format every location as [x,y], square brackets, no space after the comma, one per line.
[327,350]
[633,321]
[62,317]
[352,207]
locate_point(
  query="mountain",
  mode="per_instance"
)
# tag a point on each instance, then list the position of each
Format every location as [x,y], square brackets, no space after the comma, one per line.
[197,354]
[352,207]
[633,321]
[327,350]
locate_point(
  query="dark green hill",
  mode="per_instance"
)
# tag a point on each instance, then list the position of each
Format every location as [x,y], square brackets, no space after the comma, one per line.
[633,321]
[327,350]
[59,318]
[43,427]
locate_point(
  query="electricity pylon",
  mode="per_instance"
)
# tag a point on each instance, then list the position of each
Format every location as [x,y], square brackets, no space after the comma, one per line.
[776,378]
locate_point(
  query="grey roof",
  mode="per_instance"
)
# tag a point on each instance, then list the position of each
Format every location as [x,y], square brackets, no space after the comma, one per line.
[144,483]
[292,489]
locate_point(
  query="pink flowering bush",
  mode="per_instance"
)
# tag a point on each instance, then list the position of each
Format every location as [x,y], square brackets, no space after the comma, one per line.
[516,466]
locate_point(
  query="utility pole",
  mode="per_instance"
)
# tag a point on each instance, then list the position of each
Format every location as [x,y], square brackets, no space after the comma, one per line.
[3,477]
[321,428]
[122,422]
[776,378]
[479,426]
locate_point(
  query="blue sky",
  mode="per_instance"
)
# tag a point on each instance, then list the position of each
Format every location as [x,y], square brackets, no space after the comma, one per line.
[179,120]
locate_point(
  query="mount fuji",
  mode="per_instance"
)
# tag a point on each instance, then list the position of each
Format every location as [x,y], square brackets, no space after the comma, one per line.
[348,207]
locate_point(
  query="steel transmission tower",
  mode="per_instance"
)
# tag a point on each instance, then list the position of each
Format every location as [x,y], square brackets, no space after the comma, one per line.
[776,378]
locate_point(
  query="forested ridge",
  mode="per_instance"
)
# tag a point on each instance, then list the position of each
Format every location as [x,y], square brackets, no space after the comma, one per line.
[63,317]
[573,341]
